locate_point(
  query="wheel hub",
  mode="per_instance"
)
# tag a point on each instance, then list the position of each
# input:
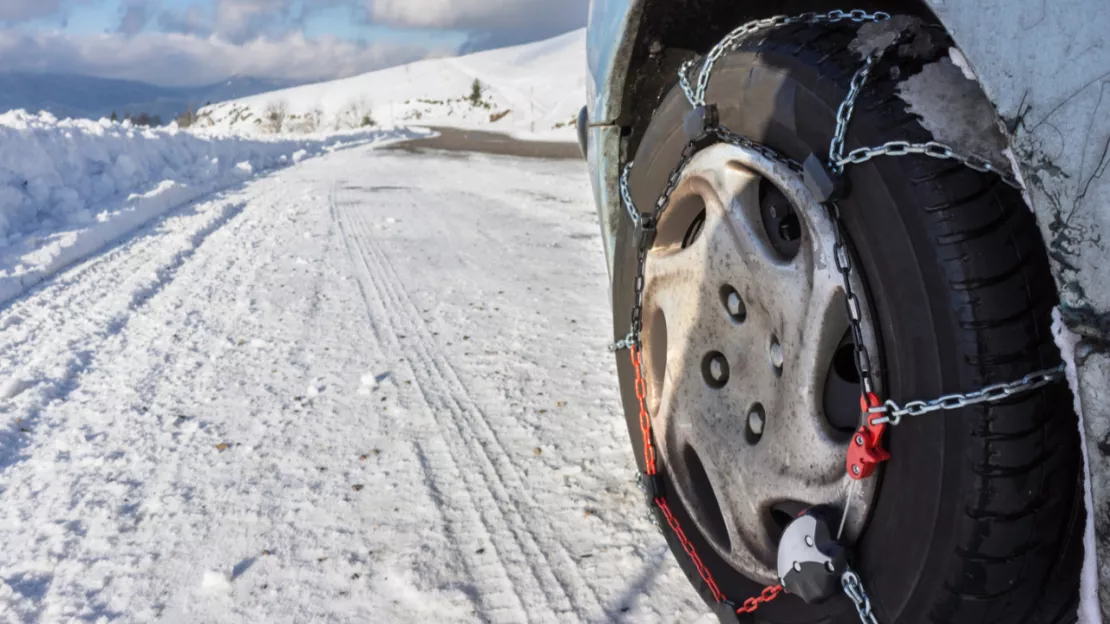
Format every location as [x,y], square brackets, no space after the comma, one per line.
[744,320]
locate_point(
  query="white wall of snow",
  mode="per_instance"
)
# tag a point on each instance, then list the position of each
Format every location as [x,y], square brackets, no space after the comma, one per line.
[68,188]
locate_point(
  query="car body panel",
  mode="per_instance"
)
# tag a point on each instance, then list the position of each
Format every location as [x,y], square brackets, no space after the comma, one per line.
[1046,69]
[603,153]
[609,40]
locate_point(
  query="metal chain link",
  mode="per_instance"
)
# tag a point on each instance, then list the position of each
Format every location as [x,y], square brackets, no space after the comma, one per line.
[841,251]
[932,149]
[988,394]
[844,111]
[843,257]
[725,135]
[853,587]
[646,225]
[696,94]
[684,81]
[626,197]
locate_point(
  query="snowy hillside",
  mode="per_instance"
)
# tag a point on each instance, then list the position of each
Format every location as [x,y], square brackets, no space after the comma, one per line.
[68,188]
[532,90]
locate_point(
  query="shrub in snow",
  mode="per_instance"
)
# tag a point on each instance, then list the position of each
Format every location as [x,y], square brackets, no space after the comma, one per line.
[276,112]
[476,92]
[356,114]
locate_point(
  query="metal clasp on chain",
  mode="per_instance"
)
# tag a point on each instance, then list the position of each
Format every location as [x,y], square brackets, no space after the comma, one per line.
[866,452]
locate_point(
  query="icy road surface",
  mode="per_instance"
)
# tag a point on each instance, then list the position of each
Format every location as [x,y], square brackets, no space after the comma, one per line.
[369,388]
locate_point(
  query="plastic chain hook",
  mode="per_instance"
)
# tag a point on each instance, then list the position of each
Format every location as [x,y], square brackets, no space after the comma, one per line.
[866,451]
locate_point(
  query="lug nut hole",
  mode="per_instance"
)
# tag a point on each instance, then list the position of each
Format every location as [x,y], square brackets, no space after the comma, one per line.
[734,304]
[714,368]
[757,423]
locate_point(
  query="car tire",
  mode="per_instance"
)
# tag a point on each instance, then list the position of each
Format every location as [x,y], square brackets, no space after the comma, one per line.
[978,517]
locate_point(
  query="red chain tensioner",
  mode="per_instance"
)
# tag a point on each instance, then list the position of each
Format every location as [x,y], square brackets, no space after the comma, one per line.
[652,482]
[866,451]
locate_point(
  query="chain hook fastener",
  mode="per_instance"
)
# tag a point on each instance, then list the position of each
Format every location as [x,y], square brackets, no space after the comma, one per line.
[866,451]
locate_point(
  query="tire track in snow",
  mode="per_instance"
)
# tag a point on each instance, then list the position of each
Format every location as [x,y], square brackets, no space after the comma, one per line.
[504,473]
[443,375]
[373,312]
[508,537]
[462,513]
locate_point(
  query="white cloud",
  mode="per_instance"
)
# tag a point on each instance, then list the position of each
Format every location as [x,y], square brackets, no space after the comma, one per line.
[498,21]
[185,60]
[478,14]
[242,20]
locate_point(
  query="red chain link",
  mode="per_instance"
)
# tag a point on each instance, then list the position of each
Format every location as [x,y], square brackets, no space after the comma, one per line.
[767,595]
[751,604]
[645,417]
[689,548]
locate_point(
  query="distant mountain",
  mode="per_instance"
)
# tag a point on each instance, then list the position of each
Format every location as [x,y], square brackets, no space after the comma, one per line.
[87,97]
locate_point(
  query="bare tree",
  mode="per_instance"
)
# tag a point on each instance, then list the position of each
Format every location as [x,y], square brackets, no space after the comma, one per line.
[356,114]
[276,113]
[309,123]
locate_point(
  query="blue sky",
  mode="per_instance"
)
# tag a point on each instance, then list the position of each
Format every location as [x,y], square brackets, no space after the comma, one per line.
[189,42]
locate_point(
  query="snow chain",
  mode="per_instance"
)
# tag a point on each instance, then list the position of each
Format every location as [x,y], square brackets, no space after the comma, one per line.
[823,179]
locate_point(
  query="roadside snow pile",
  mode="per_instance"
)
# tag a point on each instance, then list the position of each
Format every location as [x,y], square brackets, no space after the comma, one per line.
[530,91]
[68,188]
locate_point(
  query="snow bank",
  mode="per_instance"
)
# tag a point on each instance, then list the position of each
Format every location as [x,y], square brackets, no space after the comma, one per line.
[530,91]
[69,188]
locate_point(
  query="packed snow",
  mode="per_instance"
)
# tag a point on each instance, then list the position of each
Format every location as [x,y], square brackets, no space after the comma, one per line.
[530,91]
[68,188]
[372,387]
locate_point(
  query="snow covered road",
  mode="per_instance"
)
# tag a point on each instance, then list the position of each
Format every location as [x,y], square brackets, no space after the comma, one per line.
[369,388]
